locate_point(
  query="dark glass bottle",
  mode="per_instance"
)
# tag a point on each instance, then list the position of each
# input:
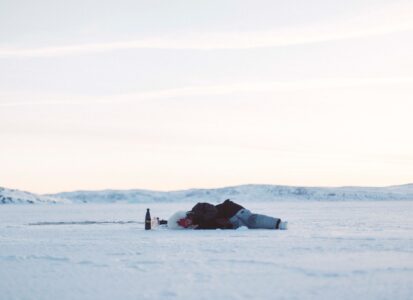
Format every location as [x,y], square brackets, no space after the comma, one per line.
[147,220]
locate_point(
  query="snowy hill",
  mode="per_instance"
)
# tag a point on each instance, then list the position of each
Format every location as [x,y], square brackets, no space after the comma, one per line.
[243,193]
[10,196]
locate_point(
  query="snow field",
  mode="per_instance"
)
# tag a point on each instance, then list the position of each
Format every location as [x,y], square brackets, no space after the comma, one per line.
[332,250]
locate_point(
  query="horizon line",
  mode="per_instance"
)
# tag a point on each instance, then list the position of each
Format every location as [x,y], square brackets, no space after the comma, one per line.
[211,188]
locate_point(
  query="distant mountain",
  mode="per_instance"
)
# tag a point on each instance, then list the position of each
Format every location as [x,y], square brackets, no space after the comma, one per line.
[10,196]
[243,193]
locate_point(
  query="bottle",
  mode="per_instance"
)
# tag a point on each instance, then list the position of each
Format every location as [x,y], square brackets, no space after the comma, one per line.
[148,220]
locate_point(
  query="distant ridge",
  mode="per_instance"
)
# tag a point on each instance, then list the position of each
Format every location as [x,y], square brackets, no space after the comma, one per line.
[12,196]
[241,193]
[245,193]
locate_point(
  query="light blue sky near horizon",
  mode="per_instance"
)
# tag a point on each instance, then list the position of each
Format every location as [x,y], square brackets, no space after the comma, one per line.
[162,95]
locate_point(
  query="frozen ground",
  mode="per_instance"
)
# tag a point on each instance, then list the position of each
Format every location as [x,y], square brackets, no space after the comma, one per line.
[333,250]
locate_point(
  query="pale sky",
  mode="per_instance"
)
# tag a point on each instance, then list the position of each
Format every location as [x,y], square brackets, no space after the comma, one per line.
[170,95]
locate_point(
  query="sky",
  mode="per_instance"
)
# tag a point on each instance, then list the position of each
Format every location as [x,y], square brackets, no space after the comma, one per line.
[170,95]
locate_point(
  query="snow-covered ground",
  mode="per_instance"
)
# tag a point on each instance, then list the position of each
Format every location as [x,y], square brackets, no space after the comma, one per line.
[333,250]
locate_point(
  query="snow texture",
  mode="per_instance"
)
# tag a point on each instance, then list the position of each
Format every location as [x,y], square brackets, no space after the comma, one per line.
[332,250]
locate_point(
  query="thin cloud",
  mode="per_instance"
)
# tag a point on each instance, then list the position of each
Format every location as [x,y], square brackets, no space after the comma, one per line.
[206,90]
[386,20]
